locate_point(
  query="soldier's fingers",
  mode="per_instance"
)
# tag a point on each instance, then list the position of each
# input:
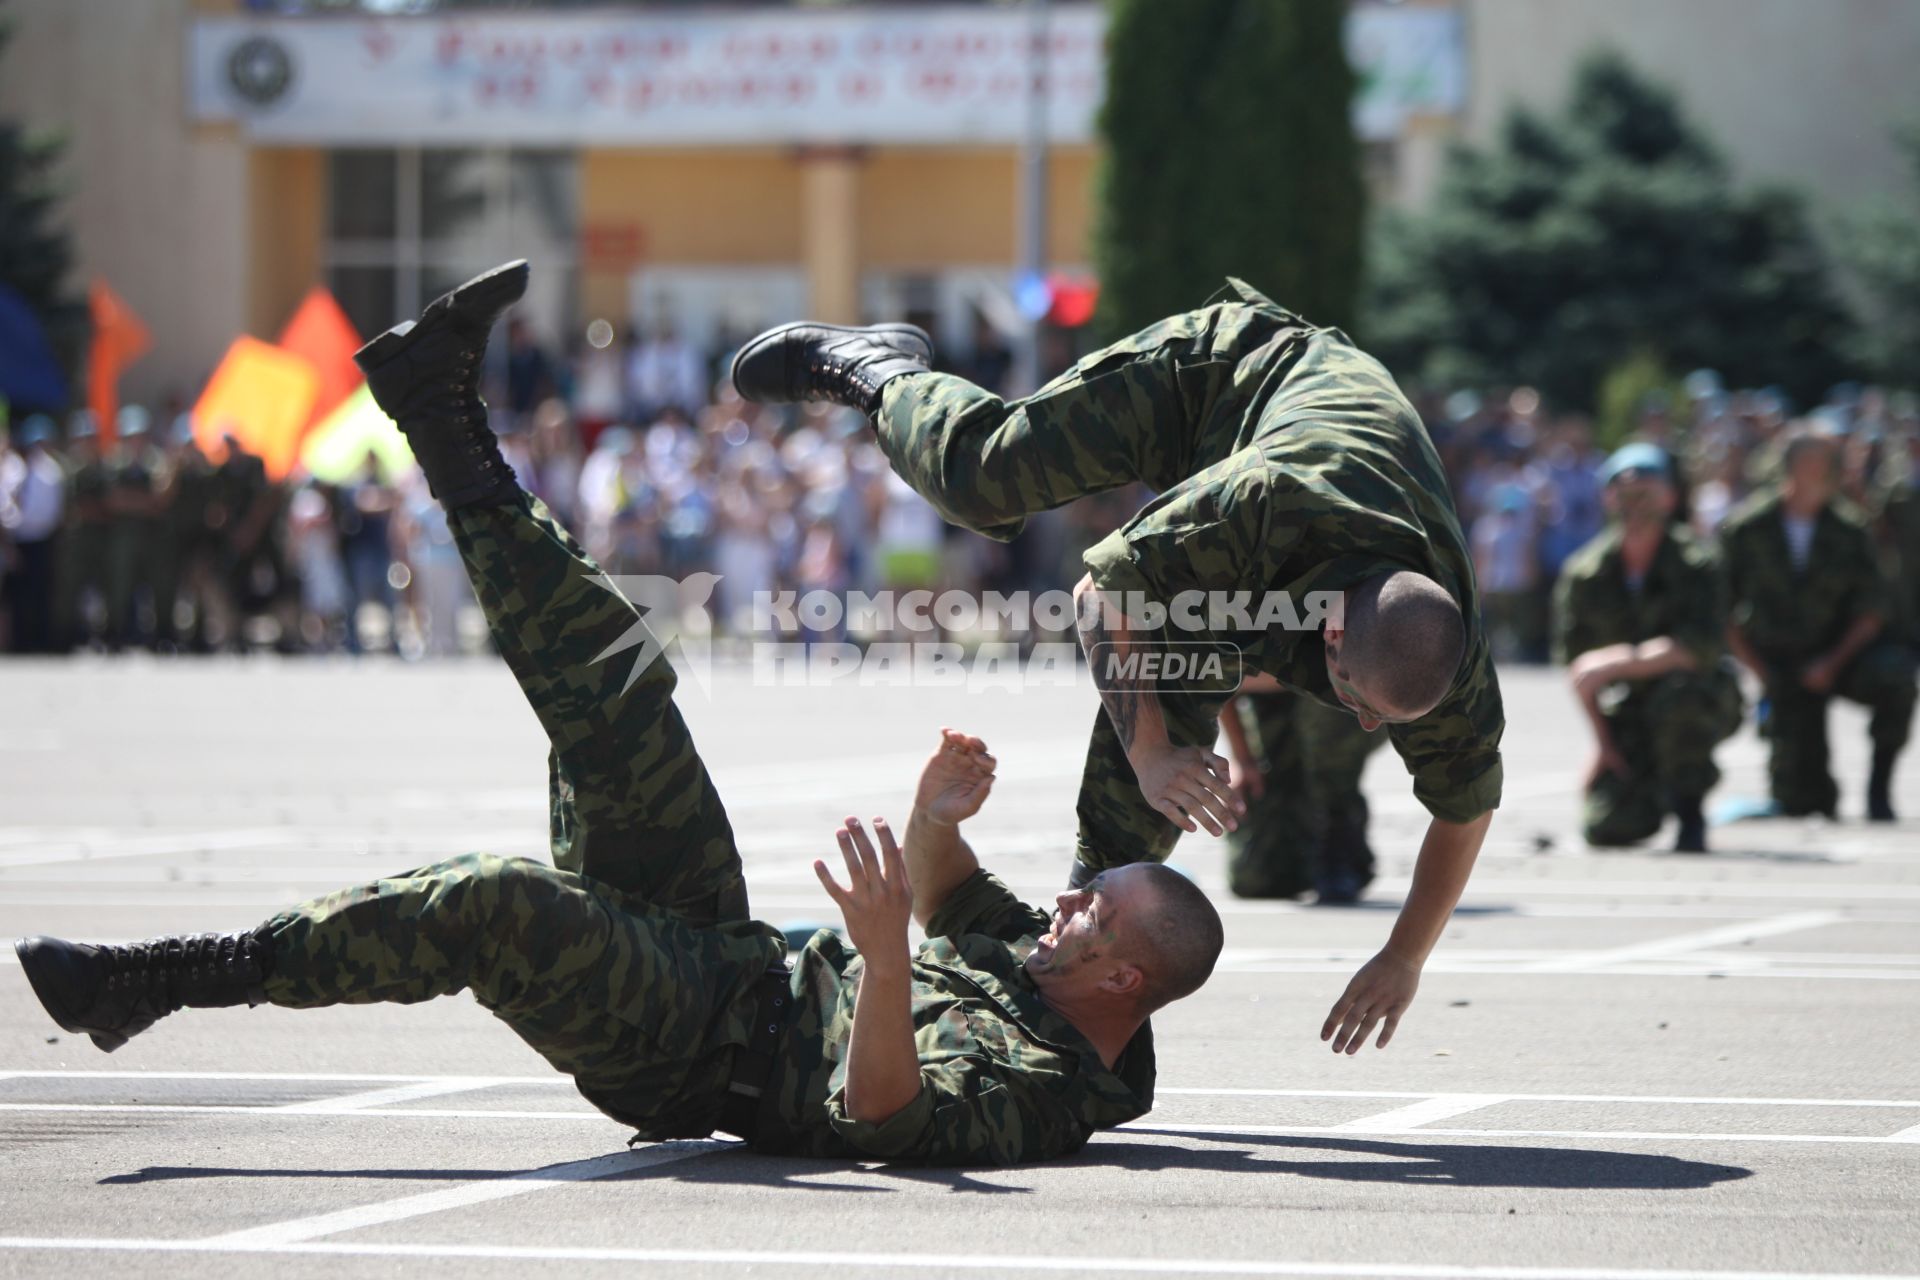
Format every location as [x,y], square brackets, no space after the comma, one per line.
[1216,808]
[1338,1012]
[1386,1031]
[1347,1024]
[1199,806]
[890,857]
[1174,813]
[834,891]
[856,874]
[976,743]
[1360,1034]
[868,858]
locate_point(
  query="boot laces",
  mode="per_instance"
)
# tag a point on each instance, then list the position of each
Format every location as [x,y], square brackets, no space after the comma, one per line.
[164,965]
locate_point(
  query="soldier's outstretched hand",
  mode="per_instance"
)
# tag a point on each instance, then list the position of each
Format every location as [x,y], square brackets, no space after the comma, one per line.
[956,780]
[1189,785]
[877,903]
[1379,993]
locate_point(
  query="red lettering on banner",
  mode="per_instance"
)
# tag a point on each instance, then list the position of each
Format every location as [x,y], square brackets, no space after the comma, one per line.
[378,41]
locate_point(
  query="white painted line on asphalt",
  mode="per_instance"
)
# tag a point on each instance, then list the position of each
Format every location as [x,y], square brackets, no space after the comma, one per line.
[1907,1135]
[1792,891]
[1680,944]
[1584,1135]
[1698,968]
[222,1109]
[1631,1098]
[821,1262]
[1351,1128]
[1408,1118]
[460,1197]
[392,1096]
[562,1082]
[98,848]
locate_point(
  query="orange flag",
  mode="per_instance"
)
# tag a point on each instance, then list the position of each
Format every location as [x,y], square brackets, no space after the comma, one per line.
[320,333]
[263,397]
[118,340]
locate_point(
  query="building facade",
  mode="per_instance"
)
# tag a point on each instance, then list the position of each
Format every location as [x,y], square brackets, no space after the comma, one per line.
[713,169]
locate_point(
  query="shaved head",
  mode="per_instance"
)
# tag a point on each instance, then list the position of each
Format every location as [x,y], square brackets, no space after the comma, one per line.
[1174,937]
[1403,642]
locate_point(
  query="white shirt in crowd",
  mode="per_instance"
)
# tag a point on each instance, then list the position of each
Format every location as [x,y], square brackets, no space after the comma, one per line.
[667,371]
[33,495]
[1799,538]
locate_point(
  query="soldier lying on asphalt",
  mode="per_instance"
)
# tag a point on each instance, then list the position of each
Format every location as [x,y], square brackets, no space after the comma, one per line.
[632,963]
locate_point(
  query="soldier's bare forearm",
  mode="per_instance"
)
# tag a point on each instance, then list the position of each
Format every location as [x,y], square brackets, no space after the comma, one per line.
[938,861]
[883,1062]
[1130,701]
[1440,876]
[1864,631]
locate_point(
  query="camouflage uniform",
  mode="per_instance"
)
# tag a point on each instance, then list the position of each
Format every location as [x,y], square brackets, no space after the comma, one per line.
[1310,816]
[1665,727]
[1897,505]
[1285,459]
[631,964]
[138,470]
[84,548]
[1791,616]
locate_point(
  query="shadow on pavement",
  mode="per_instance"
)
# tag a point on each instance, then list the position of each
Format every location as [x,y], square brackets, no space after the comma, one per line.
[1400,1162]
[1421,1163]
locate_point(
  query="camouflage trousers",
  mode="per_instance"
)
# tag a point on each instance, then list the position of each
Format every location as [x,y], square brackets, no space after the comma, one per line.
[1881,678]
[1666,728]
[1155,408]
[628,964]
[1310,817]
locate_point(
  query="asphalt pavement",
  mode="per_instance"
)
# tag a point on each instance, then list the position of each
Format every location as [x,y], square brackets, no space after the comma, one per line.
[1635,1065]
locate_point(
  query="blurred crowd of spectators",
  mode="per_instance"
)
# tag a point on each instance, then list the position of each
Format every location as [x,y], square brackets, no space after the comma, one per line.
[153,544]
[1527,485]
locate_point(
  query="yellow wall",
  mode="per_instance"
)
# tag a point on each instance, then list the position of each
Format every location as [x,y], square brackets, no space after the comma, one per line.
[928,207]
[288,203]
[689,207]
[913,209]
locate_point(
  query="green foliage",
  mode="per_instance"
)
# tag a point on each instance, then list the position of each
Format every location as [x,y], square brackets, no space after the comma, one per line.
[1883,247]
[1229,150]
[1609,231]
[34,255]
[1625,392]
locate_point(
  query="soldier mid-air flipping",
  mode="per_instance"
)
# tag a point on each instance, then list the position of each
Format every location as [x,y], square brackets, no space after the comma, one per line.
[632,964]
[1286,460]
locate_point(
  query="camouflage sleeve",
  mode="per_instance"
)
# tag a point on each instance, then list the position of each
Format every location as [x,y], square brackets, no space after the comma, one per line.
[969,1110]
[1209,533]
[982,903]
[1453,752]
[1867,575]
[1701,624]
[1568,638]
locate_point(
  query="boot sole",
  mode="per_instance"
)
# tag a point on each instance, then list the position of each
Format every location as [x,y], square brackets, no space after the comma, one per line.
[509,279]
[911,332]
[106,1042]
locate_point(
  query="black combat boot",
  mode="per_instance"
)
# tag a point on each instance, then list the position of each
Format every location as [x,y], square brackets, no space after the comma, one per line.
[426,375]
[1880,787]
[114,992]
[808,361]
[1693,825]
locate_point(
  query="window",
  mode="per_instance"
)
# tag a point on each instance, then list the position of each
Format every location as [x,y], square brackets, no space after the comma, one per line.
[405,226]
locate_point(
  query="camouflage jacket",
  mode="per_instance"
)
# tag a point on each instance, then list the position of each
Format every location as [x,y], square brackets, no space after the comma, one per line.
[1330,479]
[1684,595]
[1003,1078]
[1795,612]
